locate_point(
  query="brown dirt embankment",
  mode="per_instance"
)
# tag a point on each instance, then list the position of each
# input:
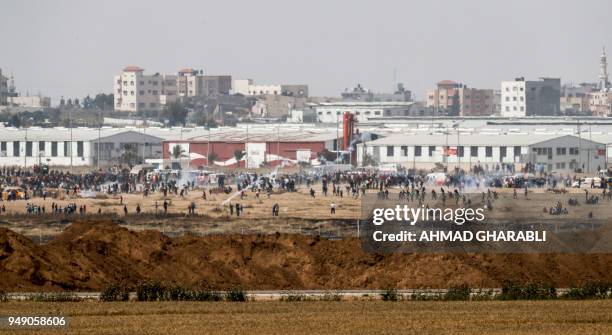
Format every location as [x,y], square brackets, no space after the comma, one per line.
[89,255]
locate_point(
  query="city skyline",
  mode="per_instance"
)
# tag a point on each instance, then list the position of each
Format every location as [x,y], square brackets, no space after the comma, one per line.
[272,43]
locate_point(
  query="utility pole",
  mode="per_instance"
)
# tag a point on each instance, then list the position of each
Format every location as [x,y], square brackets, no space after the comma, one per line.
[208,148]
[25,154]
[246,149]
[337,138]
[70,123]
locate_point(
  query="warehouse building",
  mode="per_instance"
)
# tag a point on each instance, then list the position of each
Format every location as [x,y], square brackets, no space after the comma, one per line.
[253,147]
[548,153]
[61,147]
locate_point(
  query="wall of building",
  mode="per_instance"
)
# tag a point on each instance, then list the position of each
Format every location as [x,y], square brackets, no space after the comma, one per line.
[525,98]
[408,156]
[23,157]
[135,91]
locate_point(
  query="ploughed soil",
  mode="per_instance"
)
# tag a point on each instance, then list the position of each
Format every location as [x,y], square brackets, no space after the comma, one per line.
[87,256]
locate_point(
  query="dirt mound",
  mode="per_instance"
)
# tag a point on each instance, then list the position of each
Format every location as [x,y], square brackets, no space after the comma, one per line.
[88,256]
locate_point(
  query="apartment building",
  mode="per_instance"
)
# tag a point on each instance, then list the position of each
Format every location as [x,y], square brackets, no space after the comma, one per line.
[135,91]
[248,87]
[455,99]
[193,83]
[521,97]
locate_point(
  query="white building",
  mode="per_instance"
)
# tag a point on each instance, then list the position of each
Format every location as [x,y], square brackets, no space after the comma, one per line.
[553,153]
[331,112]
[26,147]
[525,98]
[29,101]
[248,87]
[134,91]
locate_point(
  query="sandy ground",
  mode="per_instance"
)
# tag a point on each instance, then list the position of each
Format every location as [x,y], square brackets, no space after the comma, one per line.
[299,212]
[363,317]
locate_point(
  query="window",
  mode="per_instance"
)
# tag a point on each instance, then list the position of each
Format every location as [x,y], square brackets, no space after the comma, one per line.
[29,148]
[489,151]
[502,152]
[573,151]
[41,146]
[2,148]
[432,149]
[474,151]
[54,149]
[66,149]
[16,149]
[460,151]
[561,151]
[404,150]
[417,151]
[377,113]
[80,149]
[517,151]
[141,92]
[390,151]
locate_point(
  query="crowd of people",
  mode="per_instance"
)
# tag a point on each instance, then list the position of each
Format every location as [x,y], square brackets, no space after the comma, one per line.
[119,181]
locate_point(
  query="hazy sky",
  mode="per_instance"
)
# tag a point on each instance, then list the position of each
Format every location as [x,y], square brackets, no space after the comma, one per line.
[73,48]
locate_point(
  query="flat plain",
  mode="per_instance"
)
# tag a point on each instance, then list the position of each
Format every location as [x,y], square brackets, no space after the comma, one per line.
[344,317]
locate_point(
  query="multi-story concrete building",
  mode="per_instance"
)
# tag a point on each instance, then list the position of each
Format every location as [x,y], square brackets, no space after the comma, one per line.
[455,99]
[526,98]
[575,98]
[134,91]
[360,94]
[29,101]
[193,83]
[600,103]
[247,87]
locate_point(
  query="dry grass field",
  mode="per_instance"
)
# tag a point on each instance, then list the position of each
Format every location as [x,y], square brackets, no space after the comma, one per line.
[346,317]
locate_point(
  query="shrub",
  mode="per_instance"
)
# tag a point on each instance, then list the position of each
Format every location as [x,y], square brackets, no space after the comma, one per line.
[458,292]
[236,294]
[390,294]
[54,297]
[292,296]
[206,295]
[331,296]
[529,291]
[177,293]
[115,292]
[150,291]
[590,290]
